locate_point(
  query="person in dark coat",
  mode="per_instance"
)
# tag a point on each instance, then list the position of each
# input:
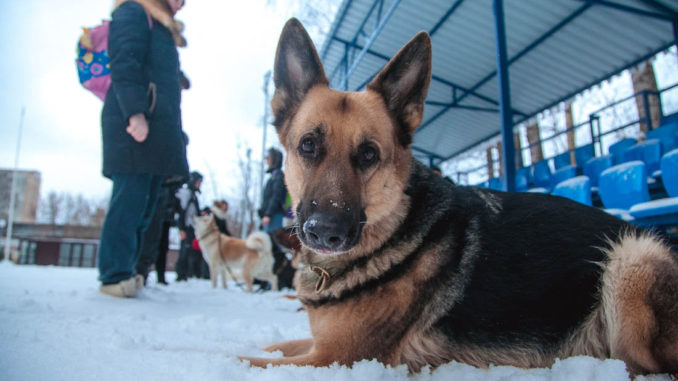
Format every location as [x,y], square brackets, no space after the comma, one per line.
[275,192]
[143,142]
[156,238]
[220,211]
[190,259]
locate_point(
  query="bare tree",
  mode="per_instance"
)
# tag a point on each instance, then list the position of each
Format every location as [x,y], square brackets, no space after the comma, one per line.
[65,208]
[77,210]
[50,207]
[248,174]
[98,210]
[316,15]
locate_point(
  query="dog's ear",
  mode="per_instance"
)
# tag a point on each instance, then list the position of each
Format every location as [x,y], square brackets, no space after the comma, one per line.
[403,83]
[287,239]
[297,69]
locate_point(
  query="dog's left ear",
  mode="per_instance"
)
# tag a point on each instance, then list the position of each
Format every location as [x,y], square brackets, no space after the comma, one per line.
[297,70]
[287,238]
[403,83]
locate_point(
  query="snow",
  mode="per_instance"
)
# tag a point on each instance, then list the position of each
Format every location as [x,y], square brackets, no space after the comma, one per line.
[55,325]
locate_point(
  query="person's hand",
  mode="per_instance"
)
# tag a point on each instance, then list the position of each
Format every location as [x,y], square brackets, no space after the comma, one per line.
[265,221]
[182,235]
[138,127]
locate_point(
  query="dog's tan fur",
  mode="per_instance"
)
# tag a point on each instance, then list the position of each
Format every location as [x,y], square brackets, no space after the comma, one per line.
[636,319]
[252,256]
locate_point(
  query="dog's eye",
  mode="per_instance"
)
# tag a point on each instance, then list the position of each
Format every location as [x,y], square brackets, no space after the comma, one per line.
[307,146]
[367,155]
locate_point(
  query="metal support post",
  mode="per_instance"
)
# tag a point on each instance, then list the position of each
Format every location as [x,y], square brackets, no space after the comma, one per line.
[12,197]
[508,151]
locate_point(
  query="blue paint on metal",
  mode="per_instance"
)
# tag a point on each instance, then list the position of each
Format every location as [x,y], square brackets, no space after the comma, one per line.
[463,107]
[427,153]
[629,9]
[349,45]
[508,151]
[446,16]
[598,80]
[662,8]
[335,28]
[523,52]
[369,43]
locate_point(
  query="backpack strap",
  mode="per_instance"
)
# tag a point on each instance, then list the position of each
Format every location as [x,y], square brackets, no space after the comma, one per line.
[148,17]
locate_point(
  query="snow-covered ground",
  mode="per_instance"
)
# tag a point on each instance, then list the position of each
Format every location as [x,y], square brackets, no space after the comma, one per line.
[55,325]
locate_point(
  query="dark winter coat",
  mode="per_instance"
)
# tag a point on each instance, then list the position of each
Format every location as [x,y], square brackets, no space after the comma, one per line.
[141,55]
[274,196]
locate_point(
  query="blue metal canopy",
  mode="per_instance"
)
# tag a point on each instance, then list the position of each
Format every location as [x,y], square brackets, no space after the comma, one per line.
[496,63]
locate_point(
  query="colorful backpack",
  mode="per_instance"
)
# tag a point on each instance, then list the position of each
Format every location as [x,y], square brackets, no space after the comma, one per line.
[92,61]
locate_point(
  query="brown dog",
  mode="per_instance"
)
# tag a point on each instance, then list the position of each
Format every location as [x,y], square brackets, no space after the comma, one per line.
[221,252]
[404,268]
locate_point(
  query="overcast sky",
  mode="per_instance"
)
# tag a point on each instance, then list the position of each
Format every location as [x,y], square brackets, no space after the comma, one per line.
[231,44]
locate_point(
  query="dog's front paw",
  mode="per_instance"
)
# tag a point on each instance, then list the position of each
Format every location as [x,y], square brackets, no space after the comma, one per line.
[254,361]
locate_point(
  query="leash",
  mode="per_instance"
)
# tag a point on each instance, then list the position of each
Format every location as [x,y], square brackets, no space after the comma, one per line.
[228,268]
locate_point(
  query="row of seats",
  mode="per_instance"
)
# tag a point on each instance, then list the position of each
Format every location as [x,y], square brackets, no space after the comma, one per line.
[624,192]
[539,178]
[631,182]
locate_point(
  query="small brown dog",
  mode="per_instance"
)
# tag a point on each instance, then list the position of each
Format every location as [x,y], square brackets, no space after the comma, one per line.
[253,255]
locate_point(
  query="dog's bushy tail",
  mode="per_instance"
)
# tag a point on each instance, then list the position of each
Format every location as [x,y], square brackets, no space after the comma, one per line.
[259,241]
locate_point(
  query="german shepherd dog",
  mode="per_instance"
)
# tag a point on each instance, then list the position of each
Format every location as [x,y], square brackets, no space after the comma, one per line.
[405,268]
[253,255]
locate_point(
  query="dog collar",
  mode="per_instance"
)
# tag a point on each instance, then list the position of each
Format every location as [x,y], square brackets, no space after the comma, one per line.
[207,233]
[323,277]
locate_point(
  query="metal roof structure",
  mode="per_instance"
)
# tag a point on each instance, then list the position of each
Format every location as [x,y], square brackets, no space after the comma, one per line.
[496,63]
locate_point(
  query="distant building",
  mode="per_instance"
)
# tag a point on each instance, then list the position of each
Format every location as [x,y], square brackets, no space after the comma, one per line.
[26,193]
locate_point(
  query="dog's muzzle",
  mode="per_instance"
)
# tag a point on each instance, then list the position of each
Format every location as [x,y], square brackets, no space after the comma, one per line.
[331,233]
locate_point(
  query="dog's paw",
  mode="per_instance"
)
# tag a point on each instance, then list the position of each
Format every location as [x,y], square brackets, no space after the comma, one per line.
[254,361]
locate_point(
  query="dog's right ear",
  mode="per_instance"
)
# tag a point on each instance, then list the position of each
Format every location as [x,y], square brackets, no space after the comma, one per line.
[297,69]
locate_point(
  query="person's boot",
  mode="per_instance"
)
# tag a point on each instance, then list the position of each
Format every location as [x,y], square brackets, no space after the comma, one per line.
[123,289]
[139,281]
[161,279]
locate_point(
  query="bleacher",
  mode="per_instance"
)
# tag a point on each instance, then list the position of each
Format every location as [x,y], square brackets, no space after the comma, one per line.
[635,180]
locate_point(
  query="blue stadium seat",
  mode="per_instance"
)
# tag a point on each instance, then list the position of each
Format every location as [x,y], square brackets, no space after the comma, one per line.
[666,134]
[649,152]
[617,149]
[661,212]
[623,186]
[669,168]
[562,160]
[563,174]
[541,174]
[496,184]
[522,179]
[595,166]
[583,154]
[577,188]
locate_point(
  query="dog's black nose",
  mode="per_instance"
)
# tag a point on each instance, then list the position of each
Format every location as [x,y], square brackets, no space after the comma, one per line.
[325,231]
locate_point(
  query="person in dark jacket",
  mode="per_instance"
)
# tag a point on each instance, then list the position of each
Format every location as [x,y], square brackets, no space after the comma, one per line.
[156,238]
[275,192]
[189,261]
[220,211]
[143,142]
